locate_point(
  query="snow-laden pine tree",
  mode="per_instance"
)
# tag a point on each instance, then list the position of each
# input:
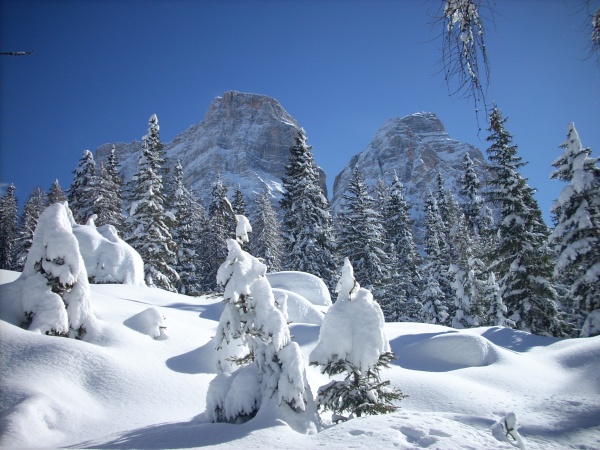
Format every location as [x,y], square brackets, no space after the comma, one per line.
[362,236]
[55,294]
[436,295]
[267,243]
[478,216]
[307,222]
[147,227]
[32,210]
[521,259]
[404,255]
[496,313]
[83,192]
[220,227]
[269,373]
[109,204]
[56,194]
[352,342]
[576,237]
[9,217]
[470,283]
[187,231]
[238,203]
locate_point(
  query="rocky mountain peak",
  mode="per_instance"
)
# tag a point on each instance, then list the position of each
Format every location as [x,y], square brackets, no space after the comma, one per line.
[245,138]
[415,147]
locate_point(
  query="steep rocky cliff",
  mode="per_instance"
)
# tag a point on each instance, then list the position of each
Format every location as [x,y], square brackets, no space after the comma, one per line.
[416,147]
[245,138]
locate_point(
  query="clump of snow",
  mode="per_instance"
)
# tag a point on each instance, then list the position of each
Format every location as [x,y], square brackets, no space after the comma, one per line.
[308,286]
[297,308]
[507,430]
[242,228]
[450,350]
[108,258]
[353,328]
[52,295]
[150,322]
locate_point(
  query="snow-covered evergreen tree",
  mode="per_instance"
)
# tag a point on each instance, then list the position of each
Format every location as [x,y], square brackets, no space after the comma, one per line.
[352,342]
[8,228]
[496,313]
[271,374]
[522,259]
[187,230]
[471,288]
[109,203]
[436,296]
[238,203]
[478,217]
[405,256]
[362,235]
[55,295]
[83,192]
[56,194]
[32,210]
[267,242]
[147,227]
[307,223]
[433,299]
[221,226]
[576,237]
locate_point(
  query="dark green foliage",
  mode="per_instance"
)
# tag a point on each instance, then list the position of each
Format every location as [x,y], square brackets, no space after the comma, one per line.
[56,194]
[8,228]
[221,226]
[521,259]
[148,225]
[576,237]
[358,394]
[267,243]
[307,222]
[27,222]
[362,235]
[83,191]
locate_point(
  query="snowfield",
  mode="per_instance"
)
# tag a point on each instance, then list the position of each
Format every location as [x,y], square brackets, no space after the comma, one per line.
[127,389]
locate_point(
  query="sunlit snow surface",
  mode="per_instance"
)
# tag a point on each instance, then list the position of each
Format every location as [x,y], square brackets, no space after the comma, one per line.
[127,390]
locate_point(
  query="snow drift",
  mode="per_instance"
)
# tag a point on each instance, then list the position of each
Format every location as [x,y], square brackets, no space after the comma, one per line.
[122,389]
[108,258]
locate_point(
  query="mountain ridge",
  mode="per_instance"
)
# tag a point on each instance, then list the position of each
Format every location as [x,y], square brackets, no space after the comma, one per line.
[245,138]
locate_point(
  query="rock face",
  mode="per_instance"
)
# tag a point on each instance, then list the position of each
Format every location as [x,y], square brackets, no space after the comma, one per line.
[416,147]
[245,138]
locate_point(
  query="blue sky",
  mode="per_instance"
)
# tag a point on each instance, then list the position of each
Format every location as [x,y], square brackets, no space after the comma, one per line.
[341,68]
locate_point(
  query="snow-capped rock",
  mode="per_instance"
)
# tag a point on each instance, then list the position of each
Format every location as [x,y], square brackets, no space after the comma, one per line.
[245,138]
[416,147]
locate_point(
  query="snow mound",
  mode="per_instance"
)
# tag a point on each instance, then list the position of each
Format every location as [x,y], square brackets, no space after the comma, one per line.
[308,286]
[298,308]
[150,322]
[108,258]
[448,351]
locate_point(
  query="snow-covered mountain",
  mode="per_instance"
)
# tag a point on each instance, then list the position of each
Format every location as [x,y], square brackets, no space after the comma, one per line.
[245,138]
[416,147]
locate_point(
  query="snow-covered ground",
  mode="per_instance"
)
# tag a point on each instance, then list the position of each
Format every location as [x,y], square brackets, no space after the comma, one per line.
[126,389]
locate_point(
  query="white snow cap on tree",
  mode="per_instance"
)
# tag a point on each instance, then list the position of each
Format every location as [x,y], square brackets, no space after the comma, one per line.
[272,370]
[243,228]
[353,328]
[54,282]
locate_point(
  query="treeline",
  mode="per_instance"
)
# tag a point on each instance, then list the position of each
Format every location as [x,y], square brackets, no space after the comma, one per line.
[469,270]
